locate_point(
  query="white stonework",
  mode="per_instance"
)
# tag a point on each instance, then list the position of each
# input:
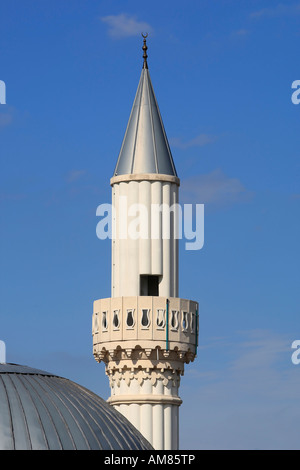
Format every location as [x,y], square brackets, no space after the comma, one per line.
[145,342]
[155,251]
[145,333]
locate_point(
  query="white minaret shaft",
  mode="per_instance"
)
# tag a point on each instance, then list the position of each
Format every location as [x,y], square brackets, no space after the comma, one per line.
[144,332]
[144,249]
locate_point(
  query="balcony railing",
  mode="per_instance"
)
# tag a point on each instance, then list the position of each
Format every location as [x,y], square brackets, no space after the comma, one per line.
[167,322]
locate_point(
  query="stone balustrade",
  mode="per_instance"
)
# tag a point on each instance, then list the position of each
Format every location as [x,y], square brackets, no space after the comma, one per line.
[144,326]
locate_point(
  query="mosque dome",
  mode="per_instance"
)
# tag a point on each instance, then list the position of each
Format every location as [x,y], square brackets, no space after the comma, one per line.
[40,410]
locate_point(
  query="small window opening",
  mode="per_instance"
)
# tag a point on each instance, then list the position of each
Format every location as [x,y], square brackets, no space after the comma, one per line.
[160,319]
[104,321]
[174,320]
[116,319]
[185,322]
[96,325]
[192,322]
[130,319]
[149,285]
[145,318]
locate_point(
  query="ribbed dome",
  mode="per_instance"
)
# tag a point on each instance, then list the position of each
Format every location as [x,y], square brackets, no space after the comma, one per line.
[39,410]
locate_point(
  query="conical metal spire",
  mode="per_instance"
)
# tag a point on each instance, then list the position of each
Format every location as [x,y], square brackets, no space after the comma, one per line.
[145,148]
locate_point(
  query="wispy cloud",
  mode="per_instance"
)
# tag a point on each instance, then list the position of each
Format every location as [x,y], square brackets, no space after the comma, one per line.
[214,188]
[251,400]
[6,115]
[281,9]
[124,25]
[4,197]
[198,141]
[240,33]
[75,175]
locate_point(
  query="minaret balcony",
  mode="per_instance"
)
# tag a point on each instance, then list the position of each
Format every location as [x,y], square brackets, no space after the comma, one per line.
[145,328]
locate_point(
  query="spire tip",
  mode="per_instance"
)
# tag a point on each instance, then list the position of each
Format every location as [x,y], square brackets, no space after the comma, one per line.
[145,56]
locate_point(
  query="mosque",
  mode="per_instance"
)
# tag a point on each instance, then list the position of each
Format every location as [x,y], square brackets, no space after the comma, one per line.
[144,333]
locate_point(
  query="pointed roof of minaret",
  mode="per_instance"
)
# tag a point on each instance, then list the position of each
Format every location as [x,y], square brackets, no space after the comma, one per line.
[145,148]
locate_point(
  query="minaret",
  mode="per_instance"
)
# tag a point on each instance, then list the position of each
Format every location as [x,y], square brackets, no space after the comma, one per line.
[145,333]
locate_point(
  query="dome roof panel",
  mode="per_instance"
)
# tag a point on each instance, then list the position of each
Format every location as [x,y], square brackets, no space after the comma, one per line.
[39,410]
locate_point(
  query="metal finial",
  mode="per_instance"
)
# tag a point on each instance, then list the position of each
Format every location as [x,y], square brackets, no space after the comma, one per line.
[145,65]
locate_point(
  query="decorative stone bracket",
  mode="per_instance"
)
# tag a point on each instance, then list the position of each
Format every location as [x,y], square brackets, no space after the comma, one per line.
[169,377]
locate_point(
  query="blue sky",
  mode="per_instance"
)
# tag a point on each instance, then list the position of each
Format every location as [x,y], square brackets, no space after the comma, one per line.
[222,73]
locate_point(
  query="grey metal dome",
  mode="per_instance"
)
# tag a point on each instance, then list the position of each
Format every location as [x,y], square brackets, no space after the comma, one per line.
[39,410]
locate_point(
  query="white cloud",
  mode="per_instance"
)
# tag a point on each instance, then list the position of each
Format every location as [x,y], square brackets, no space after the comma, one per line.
[123,25]
[214,188]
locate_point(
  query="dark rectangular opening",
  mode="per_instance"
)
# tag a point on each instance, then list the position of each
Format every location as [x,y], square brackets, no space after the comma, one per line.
[149,285]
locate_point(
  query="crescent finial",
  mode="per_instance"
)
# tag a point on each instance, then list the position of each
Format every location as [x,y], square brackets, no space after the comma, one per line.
[145,65]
